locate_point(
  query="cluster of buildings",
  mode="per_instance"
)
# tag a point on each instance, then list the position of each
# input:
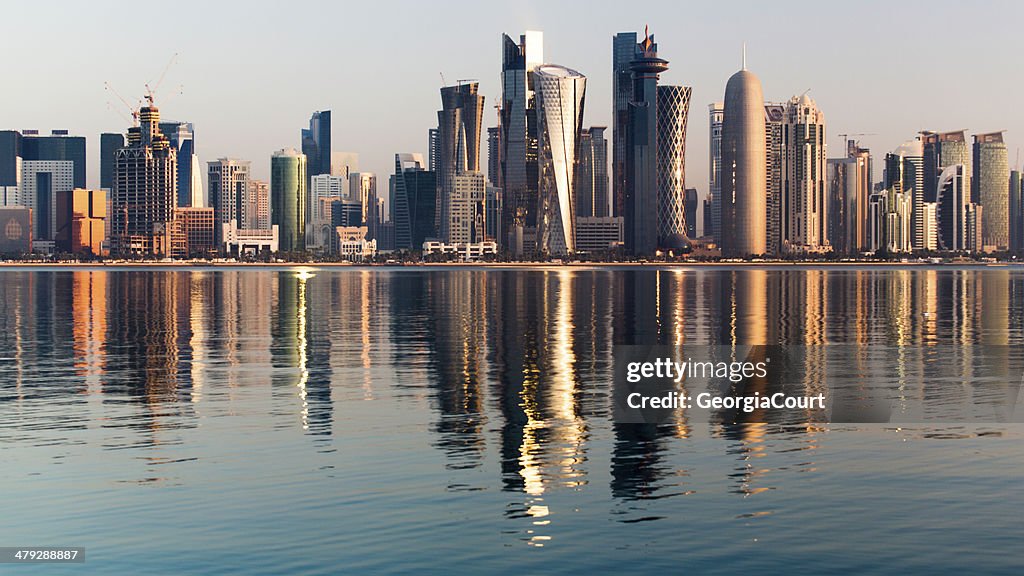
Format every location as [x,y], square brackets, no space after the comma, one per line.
[551,188]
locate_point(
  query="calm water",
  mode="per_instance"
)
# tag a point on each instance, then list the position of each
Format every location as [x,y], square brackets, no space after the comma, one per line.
[323,422]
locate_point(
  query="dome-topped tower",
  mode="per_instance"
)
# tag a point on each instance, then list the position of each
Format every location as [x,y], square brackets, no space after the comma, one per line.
[744,175]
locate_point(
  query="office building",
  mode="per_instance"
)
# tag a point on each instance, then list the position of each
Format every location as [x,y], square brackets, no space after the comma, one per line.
[316,144]
[673,109]
[1016,213]
[319,232]
[493,198]
[889,219]
[904,172]
[362,188]
[691,204]
[954,200]
[714,198]
[432,149]
[459,124]
[16,223]
[849,184]
[80,221]
[466,222]
[145,186]
[518,142]
[110,143]
[493,155]
[288,199]
[258,210]
[774,120]
[941,150]
[229,188]
[624,51]
[181,136]
[596,234]
[988,188]
[930,226]
[640,209]
[414,197]
[743,178]
[592,174]
[561,94]
[30,146]
[242,241]
[804,209]
[198,225]
[41,182]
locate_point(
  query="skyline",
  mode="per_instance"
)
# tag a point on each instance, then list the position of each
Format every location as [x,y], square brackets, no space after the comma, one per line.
[402,103]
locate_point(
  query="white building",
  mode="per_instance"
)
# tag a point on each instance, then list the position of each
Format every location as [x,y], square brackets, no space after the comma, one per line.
[467,251]
[238,241]
[467,214]
[353,245]
[41,181]
[889,224]
[229,187]
[804,207]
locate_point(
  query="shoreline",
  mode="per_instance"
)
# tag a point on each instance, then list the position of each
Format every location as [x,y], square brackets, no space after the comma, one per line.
[187,265]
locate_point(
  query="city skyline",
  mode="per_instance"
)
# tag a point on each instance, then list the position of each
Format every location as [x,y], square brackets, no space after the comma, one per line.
[222,112]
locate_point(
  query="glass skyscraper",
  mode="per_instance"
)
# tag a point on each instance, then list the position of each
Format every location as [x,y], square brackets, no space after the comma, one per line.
[288,199]
[988,188]
[673,110]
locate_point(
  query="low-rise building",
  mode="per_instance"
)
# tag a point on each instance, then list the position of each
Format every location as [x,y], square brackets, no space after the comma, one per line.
[353,245]
[598,234]
[462,251]
[239,241]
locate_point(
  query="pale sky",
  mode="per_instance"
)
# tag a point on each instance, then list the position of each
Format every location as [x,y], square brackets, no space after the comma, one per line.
[252,72]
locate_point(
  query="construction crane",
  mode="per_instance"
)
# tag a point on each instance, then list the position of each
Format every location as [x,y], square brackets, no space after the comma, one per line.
[133,110]
[151,91]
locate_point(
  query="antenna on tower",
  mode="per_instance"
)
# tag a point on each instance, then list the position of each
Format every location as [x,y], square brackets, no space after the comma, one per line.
[744,56]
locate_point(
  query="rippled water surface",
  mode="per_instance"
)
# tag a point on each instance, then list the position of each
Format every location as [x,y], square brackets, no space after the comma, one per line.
[323,421]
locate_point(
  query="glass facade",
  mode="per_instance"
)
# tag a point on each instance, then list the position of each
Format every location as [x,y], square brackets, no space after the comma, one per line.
[673,110]
[288,199]
[988,188]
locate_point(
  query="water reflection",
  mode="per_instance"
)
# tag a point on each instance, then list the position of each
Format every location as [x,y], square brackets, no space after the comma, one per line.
[512,367]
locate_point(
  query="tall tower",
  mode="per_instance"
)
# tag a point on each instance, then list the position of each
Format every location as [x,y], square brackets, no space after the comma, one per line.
[942,150]
[624,52]
[144,188]
[804,201]
[712,225]
[181,135]
[991,172]
[459,123]
[288,199]
[316,144]
[904,172]
[1016,211]
[229,192]
[592,174]
[744,205]
[561,94]
[517,116]
[641,192]
[673,109]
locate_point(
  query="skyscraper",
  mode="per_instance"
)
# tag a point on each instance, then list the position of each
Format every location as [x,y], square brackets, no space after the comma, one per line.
[692,203]
[743,177]
[258,210]
[624,52]
[288,199]
[1016,212]
[517,117]
[991,172]
[145,187]
[714,198]
[181,135]
[641,191]
[413,202]
[904,173]
[459,124]
[432,150]
[592,174]
[109,145]
[493,155]
[42,181]
[954,206]
[30,146]
[774,119]
[561,94]
[941,150]
[673,109]
[316,144]
[362,188]
[229,188]
[804,202]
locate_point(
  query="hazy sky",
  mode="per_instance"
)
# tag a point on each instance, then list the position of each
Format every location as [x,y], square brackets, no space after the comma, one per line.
[252,72]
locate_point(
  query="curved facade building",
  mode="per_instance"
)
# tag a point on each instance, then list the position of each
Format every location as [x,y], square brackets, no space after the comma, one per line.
[744,172]
[288,199]
[673,109]
[560,95]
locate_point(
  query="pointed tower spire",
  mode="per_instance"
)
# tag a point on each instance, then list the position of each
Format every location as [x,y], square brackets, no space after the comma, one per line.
[744,56]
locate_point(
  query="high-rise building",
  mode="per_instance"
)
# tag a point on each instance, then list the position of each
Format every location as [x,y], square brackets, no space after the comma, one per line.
[145,187]
[110,143]
[889,219]
[42,181]
[941,150]
[258,209]
[641,190]
[29,146]
[229,187]
[988,188]
[492,213]
[324,186]
[362,188]
[493,155]
[624,51]
[181,135]
[80,221]
[459,124]
[804,210]
[691,205]
[954,200]
[714,198]
[316,144]
[774,119]
[592,174]
[432,150]
[849,185]
[904,173]
[744,171]
[1016,212]
[561,94]
[518,141]
[673,109]
[288,199]
[414,192]
[198,226]
[466,208]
